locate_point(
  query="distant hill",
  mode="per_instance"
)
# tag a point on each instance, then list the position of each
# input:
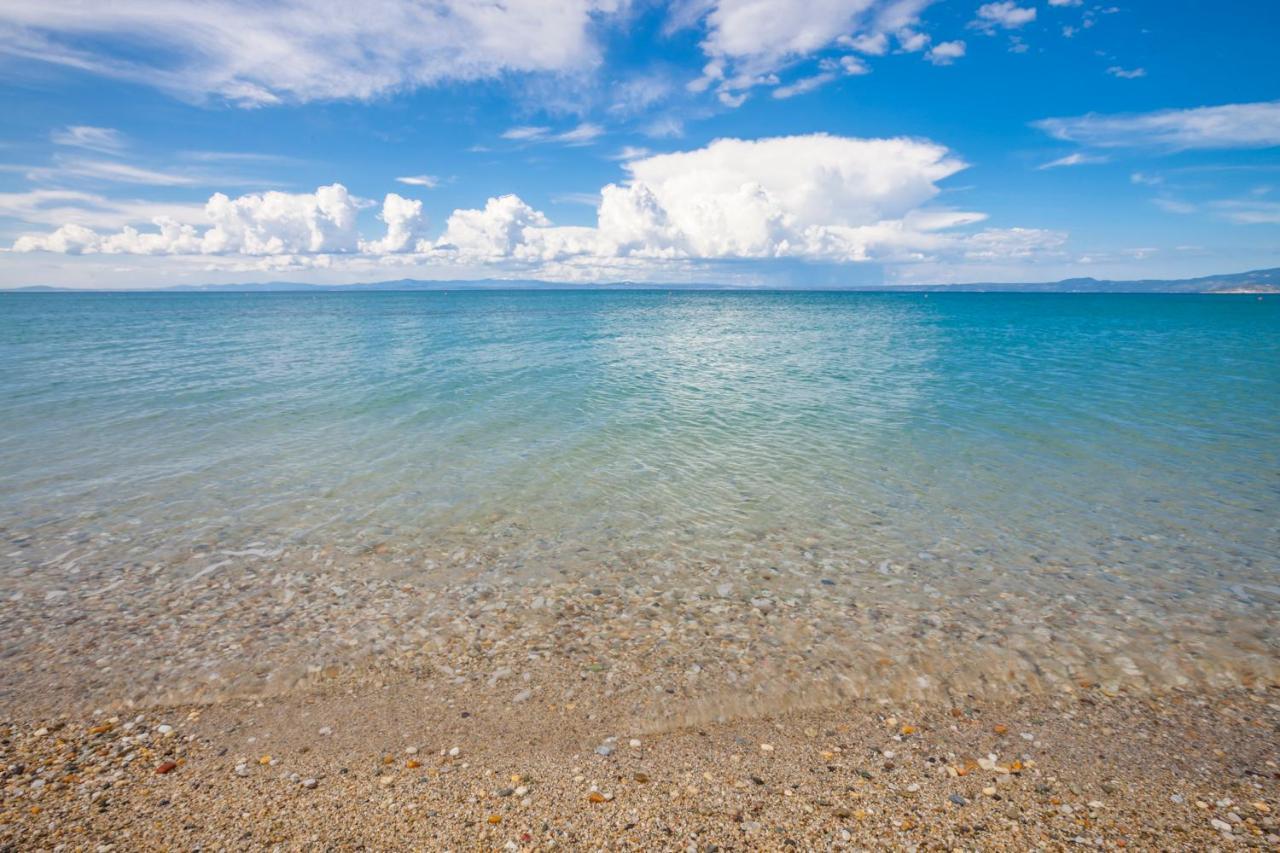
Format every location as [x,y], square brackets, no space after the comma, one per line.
[1256,281]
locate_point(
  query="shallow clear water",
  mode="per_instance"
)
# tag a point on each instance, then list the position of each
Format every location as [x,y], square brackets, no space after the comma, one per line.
[1122,444]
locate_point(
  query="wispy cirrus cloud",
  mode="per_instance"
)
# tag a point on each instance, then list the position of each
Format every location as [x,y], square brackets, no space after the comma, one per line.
[426,181]
[630,152]
[583,134]
[102,139]
[1076,159]
[1252,125]
[1174,205]
[803,85]
[831,70]
[1248,211]
[254,54]
[108,171]
[57,207]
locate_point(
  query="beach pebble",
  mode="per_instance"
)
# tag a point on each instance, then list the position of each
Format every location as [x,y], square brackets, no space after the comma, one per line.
[308,783]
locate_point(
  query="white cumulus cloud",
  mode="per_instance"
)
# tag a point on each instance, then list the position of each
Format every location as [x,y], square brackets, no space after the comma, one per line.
[70,239]
[749,41]
[405,225]
[815,197]
[1006,14]
[271,223]
[872,44]
[276,223]
[791,195]
[496,231]
[945,52]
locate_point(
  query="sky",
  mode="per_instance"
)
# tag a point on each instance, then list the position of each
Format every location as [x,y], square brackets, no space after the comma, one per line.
[757,142]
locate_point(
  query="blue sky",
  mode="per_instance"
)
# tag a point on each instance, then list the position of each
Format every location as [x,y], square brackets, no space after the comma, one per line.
[776,143]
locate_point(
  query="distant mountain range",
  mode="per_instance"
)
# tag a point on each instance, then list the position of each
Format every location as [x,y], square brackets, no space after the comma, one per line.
[1256,281]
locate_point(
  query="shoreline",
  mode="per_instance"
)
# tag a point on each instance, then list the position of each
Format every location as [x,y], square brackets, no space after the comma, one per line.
[687,643]
[771,710]
[356,765]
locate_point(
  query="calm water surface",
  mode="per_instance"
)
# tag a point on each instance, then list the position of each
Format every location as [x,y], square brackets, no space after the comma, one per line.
[1130,440]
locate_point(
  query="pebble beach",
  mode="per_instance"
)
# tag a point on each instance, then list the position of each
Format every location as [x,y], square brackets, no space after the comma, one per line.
[405,766]
[535,572]
[529,715]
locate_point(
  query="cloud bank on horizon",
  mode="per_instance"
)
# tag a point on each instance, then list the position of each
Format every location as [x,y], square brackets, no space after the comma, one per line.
[606,139]
[813,197]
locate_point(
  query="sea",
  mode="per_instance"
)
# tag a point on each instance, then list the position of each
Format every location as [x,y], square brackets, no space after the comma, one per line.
[1112,456]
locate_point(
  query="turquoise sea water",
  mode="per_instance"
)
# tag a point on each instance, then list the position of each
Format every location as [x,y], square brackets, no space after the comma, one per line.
[1131,443]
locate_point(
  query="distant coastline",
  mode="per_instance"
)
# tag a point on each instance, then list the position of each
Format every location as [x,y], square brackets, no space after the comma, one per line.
[1253,282]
